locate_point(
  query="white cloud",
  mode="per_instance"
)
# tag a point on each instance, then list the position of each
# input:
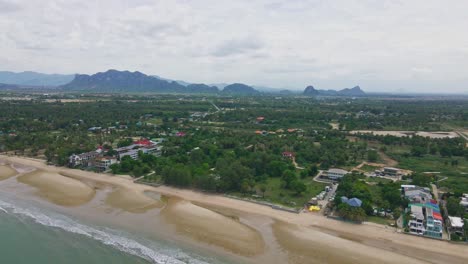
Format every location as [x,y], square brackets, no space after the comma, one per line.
[378,44]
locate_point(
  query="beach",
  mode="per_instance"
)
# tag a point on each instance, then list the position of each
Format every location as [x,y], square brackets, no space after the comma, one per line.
[213,224]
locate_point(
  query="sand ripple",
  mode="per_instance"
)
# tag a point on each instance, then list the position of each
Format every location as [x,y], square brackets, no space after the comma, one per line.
[6,172]
[131,200]
[213,228]
[58,189]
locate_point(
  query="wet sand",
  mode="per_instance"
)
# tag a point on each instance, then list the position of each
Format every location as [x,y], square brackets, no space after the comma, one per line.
[213,228]
[58,189]
[132,201]
[306,238]
[305,245]
[7,172]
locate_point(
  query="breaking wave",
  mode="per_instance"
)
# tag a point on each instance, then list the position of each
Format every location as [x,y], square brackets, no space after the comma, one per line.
[107,237]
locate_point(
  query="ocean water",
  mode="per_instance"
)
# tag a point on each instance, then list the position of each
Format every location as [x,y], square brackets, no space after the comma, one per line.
[29,234]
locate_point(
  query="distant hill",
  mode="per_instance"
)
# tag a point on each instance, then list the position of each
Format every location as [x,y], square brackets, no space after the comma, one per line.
[29,78]
[184,83]
[311,91]
[239,88]
[4,86]
[125,81]
[355,91]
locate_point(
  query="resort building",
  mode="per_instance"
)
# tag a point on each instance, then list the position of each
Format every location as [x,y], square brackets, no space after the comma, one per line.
[103,163]
[335,174]
[84,159]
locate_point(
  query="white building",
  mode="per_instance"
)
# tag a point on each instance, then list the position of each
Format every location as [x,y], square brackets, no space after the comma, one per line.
[335,174]
[456,225]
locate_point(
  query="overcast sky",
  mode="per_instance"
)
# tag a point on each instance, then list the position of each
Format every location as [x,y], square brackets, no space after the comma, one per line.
[405,46]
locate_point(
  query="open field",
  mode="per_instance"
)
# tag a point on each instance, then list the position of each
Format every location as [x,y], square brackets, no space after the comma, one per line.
[457,175]
[436,134]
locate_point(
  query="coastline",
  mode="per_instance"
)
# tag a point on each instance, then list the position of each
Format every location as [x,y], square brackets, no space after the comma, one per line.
[299,235]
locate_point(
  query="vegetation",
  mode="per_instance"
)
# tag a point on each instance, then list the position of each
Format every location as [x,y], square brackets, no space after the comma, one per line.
[220,150]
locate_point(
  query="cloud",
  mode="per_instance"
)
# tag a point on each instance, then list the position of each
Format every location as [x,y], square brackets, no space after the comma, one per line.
[277,43]
[237,47]
[7,6]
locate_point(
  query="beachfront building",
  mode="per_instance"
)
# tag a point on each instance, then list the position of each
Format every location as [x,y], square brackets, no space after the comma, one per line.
[416,224]
[455,225]
[144,145]
[103,163]
[335,174]
[84,159]
[425,219]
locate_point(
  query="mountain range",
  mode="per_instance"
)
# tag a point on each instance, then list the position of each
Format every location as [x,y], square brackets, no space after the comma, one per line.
[30,78]
[114,81]
[355,91]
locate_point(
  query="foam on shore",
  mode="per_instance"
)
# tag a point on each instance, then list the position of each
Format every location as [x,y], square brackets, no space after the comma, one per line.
[106,236]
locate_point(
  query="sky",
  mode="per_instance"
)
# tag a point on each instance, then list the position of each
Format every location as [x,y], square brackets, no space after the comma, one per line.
[382,46]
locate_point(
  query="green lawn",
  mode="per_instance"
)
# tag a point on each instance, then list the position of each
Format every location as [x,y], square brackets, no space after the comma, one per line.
[276,194]
[377,180]
[457,175]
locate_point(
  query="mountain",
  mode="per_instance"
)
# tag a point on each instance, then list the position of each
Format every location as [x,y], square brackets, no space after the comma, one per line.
[310,90]
[125,81]
[239,88]
[184,83]
[355,91]
[4,86]
[30,78]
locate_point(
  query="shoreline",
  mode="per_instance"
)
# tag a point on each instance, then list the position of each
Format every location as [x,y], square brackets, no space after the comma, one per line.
[395,246]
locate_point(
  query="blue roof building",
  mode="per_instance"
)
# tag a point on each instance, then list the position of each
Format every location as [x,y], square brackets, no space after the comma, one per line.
[354,202]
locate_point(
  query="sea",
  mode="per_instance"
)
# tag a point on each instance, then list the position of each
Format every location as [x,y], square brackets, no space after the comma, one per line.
[31,234]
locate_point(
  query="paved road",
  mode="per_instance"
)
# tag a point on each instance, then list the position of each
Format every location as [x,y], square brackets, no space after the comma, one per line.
[434,190]
[317,178]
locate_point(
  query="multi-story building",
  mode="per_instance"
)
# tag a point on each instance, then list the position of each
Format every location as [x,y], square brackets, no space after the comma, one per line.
[426,219]
[103,163]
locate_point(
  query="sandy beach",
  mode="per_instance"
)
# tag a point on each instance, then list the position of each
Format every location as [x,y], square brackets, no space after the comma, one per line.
[58,189]
[6,172]
[300,238]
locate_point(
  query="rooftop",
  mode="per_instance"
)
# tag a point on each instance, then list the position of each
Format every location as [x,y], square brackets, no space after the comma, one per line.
[338,171]
[456,221]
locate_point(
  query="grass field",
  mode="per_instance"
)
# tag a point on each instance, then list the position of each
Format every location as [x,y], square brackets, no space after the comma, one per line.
[377,180]
[457,175]
[275,194]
